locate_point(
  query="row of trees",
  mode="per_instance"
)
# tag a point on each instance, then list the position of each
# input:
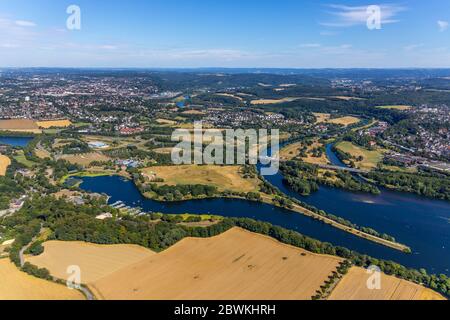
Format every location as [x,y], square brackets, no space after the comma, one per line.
[70,223]
[428,185]
[305,179]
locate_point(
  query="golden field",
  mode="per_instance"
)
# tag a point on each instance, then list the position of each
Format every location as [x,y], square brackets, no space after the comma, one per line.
[4,163]
[224,178]
[400,107]
[346,98]
[272,101]
[229,96]
[85,159]
[95,261]
[193,112]
[237,265]
[20,125]
[17,285]
[166,122]
[54,124]
[292,151]
[345,121]
[354,287]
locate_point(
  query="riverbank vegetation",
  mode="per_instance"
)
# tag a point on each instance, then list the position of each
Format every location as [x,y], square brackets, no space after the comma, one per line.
[177,183]
[425,184]
[69,222]
[306,178]
[358,157]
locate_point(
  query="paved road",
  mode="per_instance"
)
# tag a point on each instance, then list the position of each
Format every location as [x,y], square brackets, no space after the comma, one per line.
[21,252]
[86,291]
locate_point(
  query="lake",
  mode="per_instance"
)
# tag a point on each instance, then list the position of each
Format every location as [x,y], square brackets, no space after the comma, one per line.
[421,223]
[429,241]
[15,141]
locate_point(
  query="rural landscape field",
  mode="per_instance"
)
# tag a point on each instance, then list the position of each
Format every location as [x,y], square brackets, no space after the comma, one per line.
[354,287]
[187,153]
[4,163]
[16,285]
[222,177]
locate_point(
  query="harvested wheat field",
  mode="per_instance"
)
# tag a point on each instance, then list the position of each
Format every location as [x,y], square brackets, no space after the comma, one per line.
[19,125]
[193,112]
[229,96]
[95,261]
[17,285]
[354,287]
[85,159]
[54,124]
[400,108]
[4,163]
[347,98]
[237,265]
[272,101]
[166,122]
[293,150]
[224,178]
[42,153]
[326,118]
[345,121]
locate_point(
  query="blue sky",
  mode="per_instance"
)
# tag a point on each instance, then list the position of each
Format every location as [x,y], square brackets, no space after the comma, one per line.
[224,33]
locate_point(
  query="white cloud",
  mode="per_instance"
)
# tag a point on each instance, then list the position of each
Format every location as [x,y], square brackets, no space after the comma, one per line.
[9,46]
[328,33]
[108,47]
[348,16]
[443,25]
[412,47]
[310,45]
[24,23]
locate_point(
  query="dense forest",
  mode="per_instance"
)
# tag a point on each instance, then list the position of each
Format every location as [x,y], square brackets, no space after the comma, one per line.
[305,179]
[424,184]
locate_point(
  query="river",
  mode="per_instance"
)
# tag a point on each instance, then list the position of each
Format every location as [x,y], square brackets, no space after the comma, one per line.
[15,141]
[423,224]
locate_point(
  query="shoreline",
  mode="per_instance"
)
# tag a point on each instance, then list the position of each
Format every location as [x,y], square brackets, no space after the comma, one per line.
[266,199]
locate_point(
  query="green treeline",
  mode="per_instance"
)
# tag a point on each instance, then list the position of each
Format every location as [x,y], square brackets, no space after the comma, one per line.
[428,185]
[304,178]
[77,223]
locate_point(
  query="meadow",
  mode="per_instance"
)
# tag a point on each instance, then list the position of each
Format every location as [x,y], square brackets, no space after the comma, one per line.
[371,157]
[85,159]
[292,151]
[222,177]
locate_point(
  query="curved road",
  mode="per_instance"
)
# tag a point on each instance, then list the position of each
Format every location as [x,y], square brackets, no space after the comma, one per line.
[88,294]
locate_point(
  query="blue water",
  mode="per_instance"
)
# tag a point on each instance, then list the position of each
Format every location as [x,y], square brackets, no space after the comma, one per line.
[15,141]
[421,223]
[431,246]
